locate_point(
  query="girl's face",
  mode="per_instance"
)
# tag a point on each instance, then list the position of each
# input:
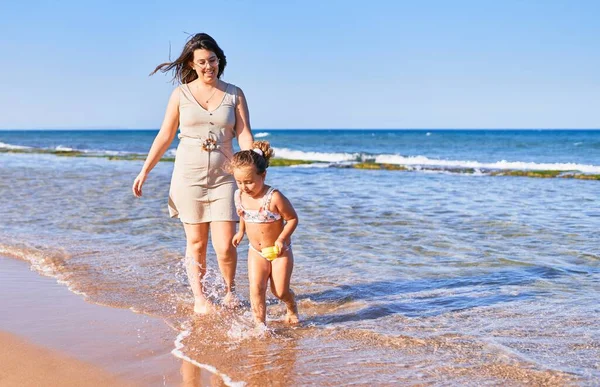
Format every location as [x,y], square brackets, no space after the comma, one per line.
[206,64]
[248,181]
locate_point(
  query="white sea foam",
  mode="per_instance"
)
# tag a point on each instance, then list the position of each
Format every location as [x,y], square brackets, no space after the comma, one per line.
[290,154]
[177,352]
[423,161]
[102,152]
[61,148]
[112,153]
[10,146]
[313,165]
[40,262]
[503,164]
[261,134]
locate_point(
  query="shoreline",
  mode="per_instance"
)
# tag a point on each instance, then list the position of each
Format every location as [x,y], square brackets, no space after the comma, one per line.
[61,337]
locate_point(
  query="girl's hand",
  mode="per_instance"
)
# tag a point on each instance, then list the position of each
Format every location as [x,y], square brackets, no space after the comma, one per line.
[279,243]
[237,238]
[138,183]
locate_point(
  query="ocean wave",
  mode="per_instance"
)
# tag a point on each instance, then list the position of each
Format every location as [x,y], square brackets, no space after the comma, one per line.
[342,159]
[290,154]
[46,263]
[424,161]
[91,152]
[61,148]
[10,146]
[498,165]
[262,134]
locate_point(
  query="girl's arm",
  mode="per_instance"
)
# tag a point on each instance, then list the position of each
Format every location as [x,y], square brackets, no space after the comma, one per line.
[243,132]
[237,238]
[285,208]
[161,143]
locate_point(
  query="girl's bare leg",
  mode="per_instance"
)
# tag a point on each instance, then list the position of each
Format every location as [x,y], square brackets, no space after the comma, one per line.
[259,270]
[281,273]
[195,263]
[222,234]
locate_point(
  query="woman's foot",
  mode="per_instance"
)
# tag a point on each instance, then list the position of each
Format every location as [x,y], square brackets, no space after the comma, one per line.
[203,306]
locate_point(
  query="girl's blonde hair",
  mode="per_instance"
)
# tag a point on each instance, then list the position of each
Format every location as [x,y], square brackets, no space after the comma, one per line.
[250,157]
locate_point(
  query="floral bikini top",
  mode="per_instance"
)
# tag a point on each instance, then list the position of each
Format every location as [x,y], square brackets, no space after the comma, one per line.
[262,215]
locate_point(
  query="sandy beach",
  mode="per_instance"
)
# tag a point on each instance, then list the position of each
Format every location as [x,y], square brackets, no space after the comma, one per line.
[25,364]
[53,337]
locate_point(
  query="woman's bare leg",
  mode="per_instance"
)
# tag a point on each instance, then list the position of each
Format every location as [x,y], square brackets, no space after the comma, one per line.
[222,234]
[195,263]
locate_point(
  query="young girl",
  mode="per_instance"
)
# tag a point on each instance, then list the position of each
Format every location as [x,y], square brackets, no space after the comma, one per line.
[269,220]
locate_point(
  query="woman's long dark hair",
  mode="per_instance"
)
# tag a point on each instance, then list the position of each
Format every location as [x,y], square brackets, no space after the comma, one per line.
[183,73]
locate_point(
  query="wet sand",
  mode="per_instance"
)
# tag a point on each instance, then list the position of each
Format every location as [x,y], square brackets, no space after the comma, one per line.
[51,336]
[25,364]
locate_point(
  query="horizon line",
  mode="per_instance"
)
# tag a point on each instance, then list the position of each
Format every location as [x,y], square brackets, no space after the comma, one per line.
[275,129]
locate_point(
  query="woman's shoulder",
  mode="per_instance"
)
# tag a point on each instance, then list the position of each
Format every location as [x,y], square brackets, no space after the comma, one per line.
[180,89]
[174,98]
[232,88]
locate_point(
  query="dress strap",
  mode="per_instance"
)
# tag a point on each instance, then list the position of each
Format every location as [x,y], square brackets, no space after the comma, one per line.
[184,92]
[233,94]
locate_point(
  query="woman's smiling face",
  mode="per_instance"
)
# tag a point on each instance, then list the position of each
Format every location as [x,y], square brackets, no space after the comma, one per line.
[206,64]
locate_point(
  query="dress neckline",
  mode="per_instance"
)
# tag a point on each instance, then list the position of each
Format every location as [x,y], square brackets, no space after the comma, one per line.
[202,107]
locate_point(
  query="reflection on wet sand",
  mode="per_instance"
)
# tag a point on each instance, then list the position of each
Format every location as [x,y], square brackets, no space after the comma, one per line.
[260,358]
[272,361]
[194,376]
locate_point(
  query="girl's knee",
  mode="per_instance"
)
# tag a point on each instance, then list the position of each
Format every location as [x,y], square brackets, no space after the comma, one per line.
[281,294]
[258,290]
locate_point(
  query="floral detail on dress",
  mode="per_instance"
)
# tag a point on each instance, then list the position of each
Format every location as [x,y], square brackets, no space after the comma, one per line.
[209,144]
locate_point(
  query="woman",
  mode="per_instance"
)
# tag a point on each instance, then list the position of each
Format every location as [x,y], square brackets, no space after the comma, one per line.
[209,113]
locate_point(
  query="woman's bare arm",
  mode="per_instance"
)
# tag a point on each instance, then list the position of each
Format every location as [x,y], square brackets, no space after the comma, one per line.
[243,131]
[161,143]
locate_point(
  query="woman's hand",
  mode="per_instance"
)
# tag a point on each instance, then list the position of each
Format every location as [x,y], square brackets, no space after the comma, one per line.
[237,238]
[138,183]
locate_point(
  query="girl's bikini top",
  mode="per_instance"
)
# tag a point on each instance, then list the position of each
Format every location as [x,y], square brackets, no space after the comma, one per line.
[262,215]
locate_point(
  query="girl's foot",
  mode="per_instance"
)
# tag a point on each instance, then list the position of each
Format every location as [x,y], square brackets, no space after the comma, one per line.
[291,317]
[203,306]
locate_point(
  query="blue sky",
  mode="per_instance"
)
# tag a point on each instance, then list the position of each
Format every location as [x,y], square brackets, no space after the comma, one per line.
[308,64]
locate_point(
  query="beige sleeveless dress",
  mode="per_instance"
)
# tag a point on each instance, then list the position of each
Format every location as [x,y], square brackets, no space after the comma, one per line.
[201,190]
